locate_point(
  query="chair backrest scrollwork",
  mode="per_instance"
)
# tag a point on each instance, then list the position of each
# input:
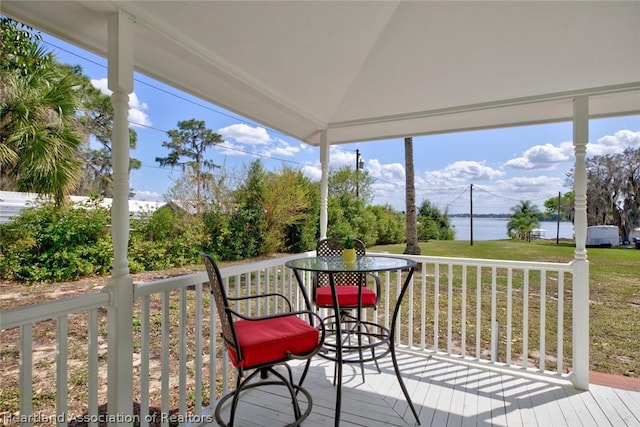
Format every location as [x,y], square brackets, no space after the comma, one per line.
[334,247]
[222,303]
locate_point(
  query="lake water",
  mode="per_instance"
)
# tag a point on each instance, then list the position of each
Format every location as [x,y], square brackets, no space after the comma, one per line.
[496,228]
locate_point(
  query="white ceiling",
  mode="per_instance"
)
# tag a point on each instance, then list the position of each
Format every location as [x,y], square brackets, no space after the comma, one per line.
[374,70]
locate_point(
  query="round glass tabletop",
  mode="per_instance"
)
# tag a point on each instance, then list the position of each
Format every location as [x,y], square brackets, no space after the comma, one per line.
[363,263]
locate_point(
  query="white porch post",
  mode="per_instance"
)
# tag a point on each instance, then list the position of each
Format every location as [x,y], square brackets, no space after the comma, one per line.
[324,184]
[581,264]
[120,286]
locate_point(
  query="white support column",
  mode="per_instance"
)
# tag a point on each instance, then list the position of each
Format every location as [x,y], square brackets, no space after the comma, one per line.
[581,264]
[120,286]
[324,184]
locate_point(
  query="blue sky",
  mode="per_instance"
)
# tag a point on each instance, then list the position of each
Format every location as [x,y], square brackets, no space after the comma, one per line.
[505,166]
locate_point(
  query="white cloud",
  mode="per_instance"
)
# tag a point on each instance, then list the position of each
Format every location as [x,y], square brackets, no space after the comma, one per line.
[545,156]
[102,84]
[241,140]
[314,173]
[339,158]
[281,147]
[463,170]
[244,134]
[614,144]
[137,109]
[393,172]
[523,186]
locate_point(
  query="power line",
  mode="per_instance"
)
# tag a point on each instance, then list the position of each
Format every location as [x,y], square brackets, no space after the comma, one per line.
[176,95]
[502,197]
[459,195]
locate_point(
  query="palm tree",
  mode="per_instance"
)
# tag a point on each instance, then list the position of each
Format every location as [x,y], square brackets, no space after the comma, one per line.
[412,227]
[523,220]
[39,140]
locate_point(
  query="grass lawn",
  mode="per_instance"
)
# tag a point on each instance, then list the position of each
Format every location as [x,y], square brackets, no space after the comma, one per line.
[614,278]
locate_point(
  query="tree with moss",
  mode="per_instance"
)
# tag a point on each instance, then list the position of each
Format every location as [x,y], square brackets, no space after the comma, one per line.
[188,145]
[96,122]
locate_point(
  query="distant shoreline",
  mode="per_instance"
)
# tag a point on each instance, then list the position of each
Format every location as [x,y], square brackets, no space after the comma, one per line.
[494,228]
[503,216]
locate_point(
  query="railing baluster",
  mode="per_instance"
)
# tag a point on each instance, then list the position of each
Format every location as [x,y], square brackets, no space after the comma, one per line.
[463,314]
[494,338]
[225,356]
[509,313]
[26,372]
[449,308]
[436,306]
[259,289]
[409,313]
[387,303]
[144,359]
[165,356]
[62,355]
[268,281]
[543,313]
[182,351]
[560,349]
[399,323]
[198,349]
[478,310]
[525,319]
[423,308]
[92,375]
[213,359]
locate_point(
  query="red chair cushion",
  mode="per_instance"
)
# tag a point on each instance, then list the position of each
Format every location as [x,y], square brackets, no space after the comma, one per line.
[347,296]
[266,341]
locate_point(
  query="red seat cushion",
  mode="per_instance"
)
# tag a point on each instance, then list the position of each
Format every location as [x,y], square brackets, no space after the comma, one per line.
[347,296]
[267,340]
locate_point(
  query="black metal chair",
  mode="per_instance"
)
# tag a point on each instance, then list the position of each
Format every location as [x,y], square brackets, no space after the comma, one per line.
[261,343]
[354,292]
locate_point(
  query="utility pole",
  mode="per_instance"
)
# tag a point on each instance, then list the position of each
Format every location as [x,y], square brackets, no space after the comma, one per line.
[359,165]
[558,223]
[471,213]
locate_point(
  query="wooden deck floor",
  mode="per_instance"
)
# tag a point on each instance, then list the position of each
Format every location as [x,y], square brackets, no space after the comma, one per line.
[444,394]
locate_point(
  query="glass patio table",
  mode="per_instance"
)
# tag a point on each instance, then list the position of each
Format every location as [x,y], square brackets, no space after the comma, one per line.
[376,334]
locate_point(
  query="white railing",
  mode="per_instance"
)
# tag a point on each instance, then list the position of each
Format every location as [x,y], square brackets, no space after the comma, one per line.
[39,317]
[490,311]
[478,311]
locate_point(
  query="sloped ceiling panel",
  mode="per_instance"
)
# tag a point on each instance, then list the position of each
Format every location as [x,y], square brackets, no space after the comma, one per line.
[373,70]
[435,55]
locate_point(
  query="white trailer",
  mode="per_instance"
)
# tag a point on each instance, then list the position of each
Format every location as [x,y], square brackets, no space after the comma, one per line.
[603,236]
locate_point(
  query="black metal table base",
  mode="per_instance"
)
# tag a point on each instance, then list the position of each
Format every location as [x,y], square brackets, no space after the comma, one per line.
[349,339]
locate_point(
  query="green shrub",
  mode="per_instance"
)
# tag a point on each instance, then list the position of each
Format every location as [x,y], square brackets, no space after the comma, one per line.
[48,243]
[166,239]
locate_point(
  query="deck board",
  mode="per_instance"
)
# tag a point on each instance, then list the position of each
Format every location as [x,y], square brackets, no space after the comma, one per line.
[445,393]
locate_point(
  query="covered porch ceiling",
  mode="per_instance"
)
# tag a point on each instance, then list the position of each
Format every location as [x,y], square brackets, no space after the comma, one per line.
[374,70]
